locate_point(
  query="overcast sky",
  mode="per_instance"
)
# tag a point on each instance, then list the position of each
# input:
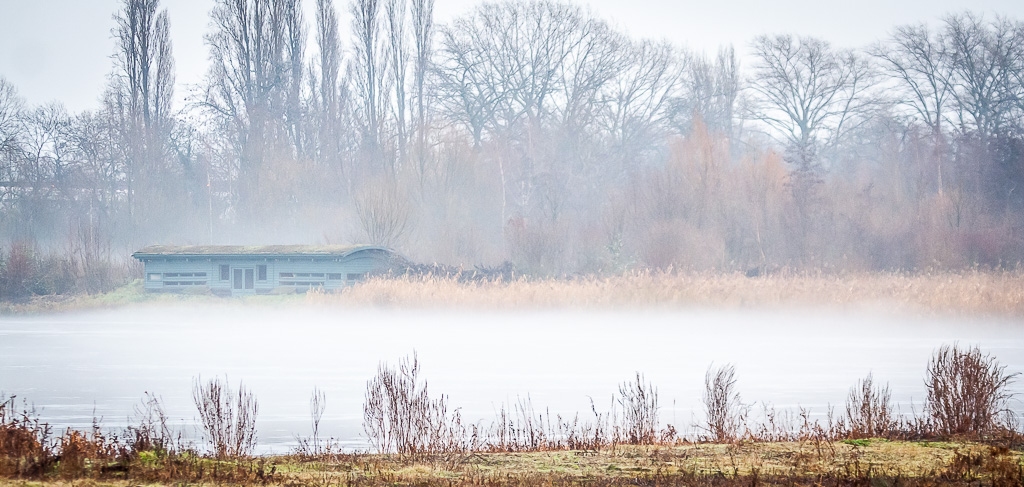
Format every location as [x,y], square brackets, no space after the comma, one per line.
[60,50]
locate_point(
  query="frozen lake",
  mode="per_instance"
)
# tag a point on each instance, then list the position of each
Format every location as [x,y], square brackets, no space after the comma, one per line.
[73,367]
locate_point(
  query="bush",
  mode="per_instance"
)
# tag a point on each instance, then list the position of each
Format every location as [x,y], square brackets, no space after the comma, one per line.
[725,412]
[639,403]
[967,391]
[25,441]
[869,409]
[148,431]
[399,415]
[229,421]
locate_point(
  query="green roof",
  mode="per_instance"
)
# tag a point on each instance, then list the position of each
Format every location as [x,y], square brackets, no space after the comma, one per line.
[246,250]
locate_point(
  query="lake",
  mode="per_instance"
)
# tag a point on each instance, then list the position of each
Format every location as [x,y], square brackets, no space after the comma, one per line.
[74,367]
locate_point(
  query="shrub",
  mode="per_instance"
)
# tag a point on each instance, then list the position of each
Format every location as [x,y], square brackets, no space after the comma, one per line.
[229,421]
[967,391]
[25,441]
[148,431]
[639,403]
[399,415]
[869,409]
[312,446]
[725,412]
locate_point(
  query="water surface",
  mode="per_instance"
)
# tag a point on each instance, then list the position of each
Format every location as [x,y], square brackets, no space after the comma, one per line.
[80,366]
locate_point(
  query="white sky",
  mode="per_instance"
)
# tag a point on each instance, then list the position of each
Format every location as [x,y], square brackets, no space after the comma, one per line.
[60,50]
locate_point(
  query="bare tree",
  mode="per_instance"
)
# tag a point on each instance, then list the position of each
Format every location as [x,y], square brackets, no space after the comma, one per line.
[11,113]
[984,57]
[145,78]
[370,64]
[294,52]
[521,72]
[423,40]
[809,93]
[638,101]
[327,89]
[246,87]
[465,93]
[44,170]
[712,88]
[917,60]
[398,58]
[383,211]
[11,107]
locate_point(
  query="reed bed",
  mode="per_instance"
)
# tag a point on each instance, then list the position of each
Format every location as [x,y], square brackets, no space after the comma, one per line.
[971,292]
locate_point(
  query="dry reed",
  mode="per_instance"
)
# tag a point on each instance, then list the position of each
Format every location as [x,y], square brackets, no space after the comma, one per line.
[869,411]
[723,408]
[966,293]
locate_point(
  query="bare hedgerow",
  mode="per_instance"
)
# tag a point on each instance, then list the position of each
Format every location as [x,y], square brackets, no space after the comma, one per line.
[228,420]
[722,405]
[869,409]
[967,391]
[639,401]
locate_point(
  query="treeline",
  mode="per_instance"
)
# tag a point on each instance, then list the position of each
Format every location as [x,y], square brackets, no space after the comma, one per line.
[536,133]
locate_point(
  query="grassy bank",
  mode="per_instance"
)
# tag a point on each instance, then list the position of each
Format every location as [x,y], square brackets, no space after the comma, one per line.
[861,462]
[946,293]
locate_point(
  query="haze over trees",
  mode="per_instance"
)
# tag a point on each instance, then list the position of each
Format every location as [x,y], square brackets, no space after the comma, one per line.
[533,132]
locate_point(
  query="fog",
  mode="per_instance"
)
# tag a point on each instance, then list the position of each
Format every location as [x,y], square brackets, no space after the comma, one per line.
[454,140]
[542,137]
[74,367]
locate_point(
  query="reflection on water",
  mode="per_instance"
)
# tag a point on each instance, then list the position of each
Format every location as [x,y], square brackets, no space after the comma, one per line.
[74,367]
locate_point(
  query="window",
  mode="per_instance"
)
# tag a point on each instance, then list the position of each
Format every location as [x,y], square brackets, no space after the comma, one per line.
[262,271]
[356,277]
[225,272]
[334,277]
[302,279]
[155,277]
[185,274]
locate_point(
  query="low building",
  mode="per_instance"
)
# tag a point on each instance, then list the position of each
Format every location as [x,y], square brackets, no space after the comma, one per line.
[239,270]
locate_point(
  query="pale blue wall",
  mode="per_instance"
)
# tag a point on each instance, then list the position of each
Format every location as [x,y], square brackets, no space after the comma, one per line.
[162,272]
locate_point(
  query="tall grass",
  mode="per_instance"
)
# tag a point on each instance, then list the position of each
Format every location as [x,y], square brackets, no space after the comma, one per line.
[148,429]
[639,401]
[869,411]
[967,292]
[723,408]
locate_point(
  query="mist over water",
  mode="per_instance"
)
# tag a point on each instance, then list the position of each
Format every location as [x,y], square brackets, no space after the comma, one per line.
[73,367]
